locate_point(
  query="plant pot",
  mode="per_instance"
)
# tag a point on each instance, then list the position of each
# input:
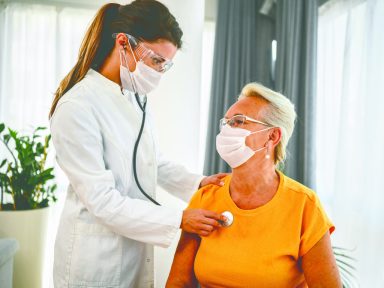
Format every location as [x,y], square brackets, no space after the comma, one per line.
[29,227]
[8,248]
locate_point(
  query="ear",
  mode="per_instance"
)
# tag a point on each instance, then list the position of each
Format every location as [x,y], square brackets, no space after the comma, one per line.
[275,136]
[121,40]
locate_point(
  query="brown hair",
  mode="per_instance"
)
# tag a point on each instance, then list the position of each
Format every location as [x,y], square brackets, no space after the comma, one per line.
[147,20]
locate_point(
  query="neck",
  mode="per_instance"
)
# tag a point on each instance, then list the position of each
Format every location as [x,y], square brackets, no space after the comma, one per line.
[111,66]
[111,70]
[253,184]
[255,179]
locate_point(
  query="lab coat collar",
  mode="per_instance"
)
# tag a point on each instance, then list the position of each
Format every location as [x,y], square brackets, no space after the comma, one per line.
[103,82]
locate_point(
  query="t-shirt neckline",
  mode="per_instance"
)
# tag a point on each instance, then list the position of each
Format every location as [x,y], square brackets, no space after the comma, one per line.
[259,209]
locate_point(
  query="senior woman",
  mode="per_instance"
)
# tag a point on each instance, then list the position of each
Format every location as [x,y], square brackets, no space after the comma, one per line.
[280,234]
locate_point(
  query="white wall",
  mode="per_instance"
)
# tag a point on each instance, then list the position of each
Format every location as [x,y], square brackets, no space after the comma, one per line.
[175,103]
[176,108]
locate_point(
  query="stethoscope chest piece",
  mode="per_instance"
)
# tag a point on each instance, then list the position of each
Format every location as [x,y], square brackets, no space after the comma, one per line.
[229,220]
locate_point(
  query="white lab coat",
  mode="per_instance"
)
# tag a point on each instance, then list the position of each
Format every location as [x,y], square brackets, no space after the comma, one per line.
[108,227]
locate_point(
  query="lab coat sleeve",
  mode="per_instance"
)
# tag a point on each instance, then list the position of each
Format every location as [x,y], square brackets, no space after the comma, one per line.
[79,152]
[176,179]
[173,177]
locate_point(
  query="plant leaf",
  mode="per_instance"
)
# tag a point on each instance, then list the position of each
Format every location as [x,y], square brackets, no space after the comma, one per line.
[3,163]
[6,138]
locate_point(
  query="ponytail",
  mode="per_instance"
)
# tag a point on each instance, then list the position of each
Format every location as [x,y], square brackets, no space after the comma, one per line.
[91,54]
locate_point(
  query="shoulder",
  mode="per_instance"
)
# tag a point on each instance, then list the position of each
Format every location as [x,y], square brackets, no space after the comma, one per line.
[208,193]
[80,94]
[298,191]
[74,113]
[76,102]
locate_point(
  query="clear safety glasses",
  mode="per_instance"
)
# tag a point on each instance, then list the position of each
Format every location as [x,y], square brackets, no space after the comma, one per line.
[238,121]
[148,56]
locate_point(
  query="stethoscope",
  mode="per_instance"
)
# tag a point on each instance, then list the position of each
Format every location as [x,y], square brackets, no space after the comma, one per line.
[142,106]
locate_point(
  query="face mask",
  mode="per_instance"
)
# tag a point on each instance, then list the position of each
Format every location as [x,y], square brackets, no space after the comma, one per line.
[230,144]
[143,80]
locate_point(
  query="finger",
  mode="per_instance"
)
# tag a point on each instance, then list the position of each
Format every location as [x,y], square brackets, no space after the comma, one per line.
[219,182]
[211,222]
[213,215]
[215,180]
[206,227]
[203,233]
[221,175]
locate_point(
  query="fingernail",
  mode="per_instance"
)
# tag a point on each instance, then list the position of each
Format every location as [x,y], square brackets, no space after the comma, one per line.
[221,183]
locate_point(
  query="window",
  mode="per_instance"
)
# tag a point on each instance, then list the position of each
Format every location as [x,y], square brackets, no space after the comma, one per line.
[349,132]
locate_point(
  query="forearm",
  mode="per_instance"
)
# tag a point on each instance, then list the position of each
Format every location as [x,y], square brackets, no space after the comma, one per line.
[177,180]
[182,273]
[319,265]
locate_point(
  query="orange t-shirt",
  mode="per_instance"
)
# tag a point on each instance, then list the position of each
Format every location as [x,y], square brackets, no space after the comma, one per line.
[262,246]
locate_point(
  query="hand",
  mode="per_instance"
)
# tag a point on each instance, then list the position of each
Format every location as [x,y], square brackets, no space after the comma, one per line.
[216,179]
[200,221]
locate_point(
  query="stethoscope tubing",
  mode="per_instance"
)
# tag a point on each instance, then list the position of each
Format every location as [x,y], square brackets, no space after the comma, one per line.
[134,158]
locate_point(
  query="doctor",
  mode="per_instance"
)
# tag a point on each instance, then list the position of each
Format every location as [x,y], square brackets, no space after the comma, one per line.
[108,226]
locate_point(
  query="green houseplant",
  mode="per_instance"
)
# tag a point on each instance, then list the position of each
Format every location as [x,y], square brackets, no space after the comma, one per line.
[27,190]
[23,175]
[346,264]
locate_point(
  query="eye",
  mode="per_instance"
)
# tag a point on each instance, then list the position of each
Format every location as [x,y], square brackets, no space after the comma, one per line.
[234,122]
[238,121]
[157,61]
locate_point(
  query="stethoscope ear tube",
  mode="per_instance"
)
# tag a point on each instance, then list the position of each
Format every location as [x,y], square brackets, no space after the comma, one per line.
[142,107]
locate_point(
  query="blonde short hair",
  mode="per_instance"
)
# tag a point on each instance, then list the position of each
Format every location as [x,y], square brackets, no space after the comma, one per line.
[280,113]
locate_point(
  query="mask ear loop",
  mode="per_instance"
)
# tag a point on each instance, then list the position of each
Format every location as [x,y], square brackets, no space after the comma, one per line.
[133,53]
[122,52]
[258,150]
[266,146]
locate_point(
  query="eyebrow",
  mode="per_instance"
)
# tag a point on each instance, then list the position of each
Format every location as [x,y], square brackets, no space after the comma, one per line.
[237,114]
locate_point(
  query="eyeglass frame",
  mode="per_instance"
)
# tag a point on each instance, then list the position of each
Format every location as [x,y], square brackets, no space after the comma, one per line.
[246,118]
[168,63]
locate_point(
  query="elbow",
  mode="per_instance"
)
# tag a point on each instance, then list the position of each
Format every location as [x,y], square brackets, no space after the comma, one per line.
[99,203]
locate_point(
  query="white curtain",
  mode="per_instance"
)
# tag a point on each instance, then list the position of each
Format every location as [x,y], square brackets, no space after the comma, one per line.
[350,130]
[38,46]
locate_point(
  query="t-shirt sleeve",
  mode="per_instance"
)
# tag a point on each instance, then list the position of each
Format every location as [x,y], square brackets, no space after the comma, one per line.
[314,225]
